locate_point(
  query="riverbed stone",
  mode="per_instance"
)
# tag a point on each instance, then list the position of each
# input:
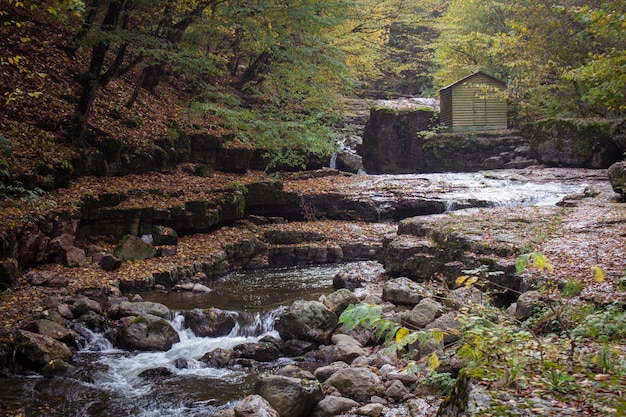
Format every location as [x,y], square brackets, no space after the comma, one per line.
[617,178]
[424,313]
[210,322]
[82,305]
[258,351]
[255,406]
[347,351]
[142,308]
[527,304]
[53,330]
[133,248]
[332,406]
[358,384]
[39,349]
[291,397]
[164,236]
[396,390]
[47,278]
[324,372]
[403,291]
[147,333]
[307,320]
[370,410]
[218,357]
[339,300]
[449,324]
[349,280]
[465,297]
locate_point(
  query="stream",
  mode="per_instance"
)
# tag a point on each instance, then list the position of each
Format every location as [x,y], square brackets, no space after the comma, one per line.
[108,381]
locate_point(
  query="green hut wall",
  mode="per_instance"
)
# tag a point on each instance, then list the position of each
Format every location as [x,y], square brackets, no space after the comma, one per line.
[476,102]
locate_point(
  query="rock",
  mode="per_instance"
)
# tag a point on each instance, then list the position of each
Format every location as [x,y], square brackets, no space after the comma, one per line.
[358,384]
[93,320]
[578,143]
[339,300]
[110,262]
[391,144]
[370,410]
[9,271]
[307,320]
[527,304]
[348,162]
[59,245]
[133,249]
[142,308]
[291,397]
[39,349]
[47,279]
[255,406]
[258,351]
[211,322]
[425,312]
[164,236]
[332,406]
[57,367]
[324,372]
[147,333]
[465,297]
[348,280]
[617,177]
[403,291]
[218,358]
[346,351]
[82,305]
[449,324]
[74,257]
[294,347]
[53,330]
[192,287]
[396,390]
[155,373]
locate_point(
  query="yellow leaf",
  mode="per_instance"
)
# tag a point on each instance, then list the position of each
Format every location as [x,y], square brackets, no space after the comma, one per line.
[598,274]
[35,94]
[400,334]
[438,335]
[460,280]
[471,281]
[433,362]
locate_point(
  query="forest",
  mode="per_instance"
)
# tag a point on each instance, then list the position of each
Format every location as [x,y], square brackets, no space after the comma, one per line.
[273,73]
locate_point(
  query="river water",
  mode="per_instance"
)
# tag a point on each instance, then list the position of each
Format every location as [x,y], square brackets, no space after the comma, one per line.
[109,381]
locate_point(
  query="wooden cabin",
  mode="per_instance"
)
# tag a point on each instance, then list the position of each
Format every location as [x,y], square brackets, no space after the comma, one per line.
[476,102]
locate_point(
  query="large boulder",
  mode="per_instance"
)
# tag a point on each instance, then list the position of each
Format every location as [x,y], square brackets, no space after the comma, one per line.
[339,300]
[147,333]
[53,330]
[348,162]
[307,320]
[142,308]
[210,322]
[39,349]
[617,177]
[403,291]
[359,384]
[133,249]
[291,397]
[391,144]
[579,143]
[259,351]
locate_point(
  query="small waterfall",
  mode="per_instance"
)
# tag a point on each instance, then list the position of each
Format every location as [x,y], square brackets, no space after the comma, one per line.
[333,161]
[91,341]
[256,325]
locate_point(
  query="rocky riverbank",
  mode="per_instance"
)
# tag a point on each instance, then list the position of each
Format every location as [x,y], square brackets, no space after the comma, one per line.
[91,280]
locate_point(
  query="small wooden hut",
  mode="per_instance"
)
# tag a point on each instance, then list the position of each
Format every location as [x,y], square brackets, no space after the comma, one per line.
[476,102]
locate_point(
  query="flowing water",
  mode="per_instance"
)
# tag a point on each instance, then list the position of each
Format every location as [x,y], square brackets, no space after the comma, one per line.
[109,382]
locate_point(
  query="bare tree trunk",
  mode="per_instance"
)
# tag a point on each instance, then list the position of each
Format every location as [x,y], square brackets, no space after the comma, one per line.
[92,79]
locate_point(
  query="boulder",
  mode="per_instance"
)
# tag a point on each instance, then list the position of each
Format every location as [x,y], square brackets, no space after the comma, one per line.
[347,351]
[396,390]
[324,372]
[359,384]
[465,297]
[9,271]
[527,304]
[307,320]
[218,358]
[82,305]
[291,397]
[53,330]
[391,144]
[617,177]
[339,300]
[449,324]
[258,351]
[147,333]
[348,162]
[47,279]
[142,308]
[39,349]
[332,406]
[347,279]
[403,291]
[255,406]
[578,143]
[110,262]
[74,257]
[57,367]
[133,248]
[370,410]
[164,236]
[210,322]
[424,313]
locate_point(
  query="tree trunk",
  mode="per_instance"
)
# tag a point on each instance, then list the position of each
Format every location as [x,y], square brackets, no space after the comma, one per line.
[91,81]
